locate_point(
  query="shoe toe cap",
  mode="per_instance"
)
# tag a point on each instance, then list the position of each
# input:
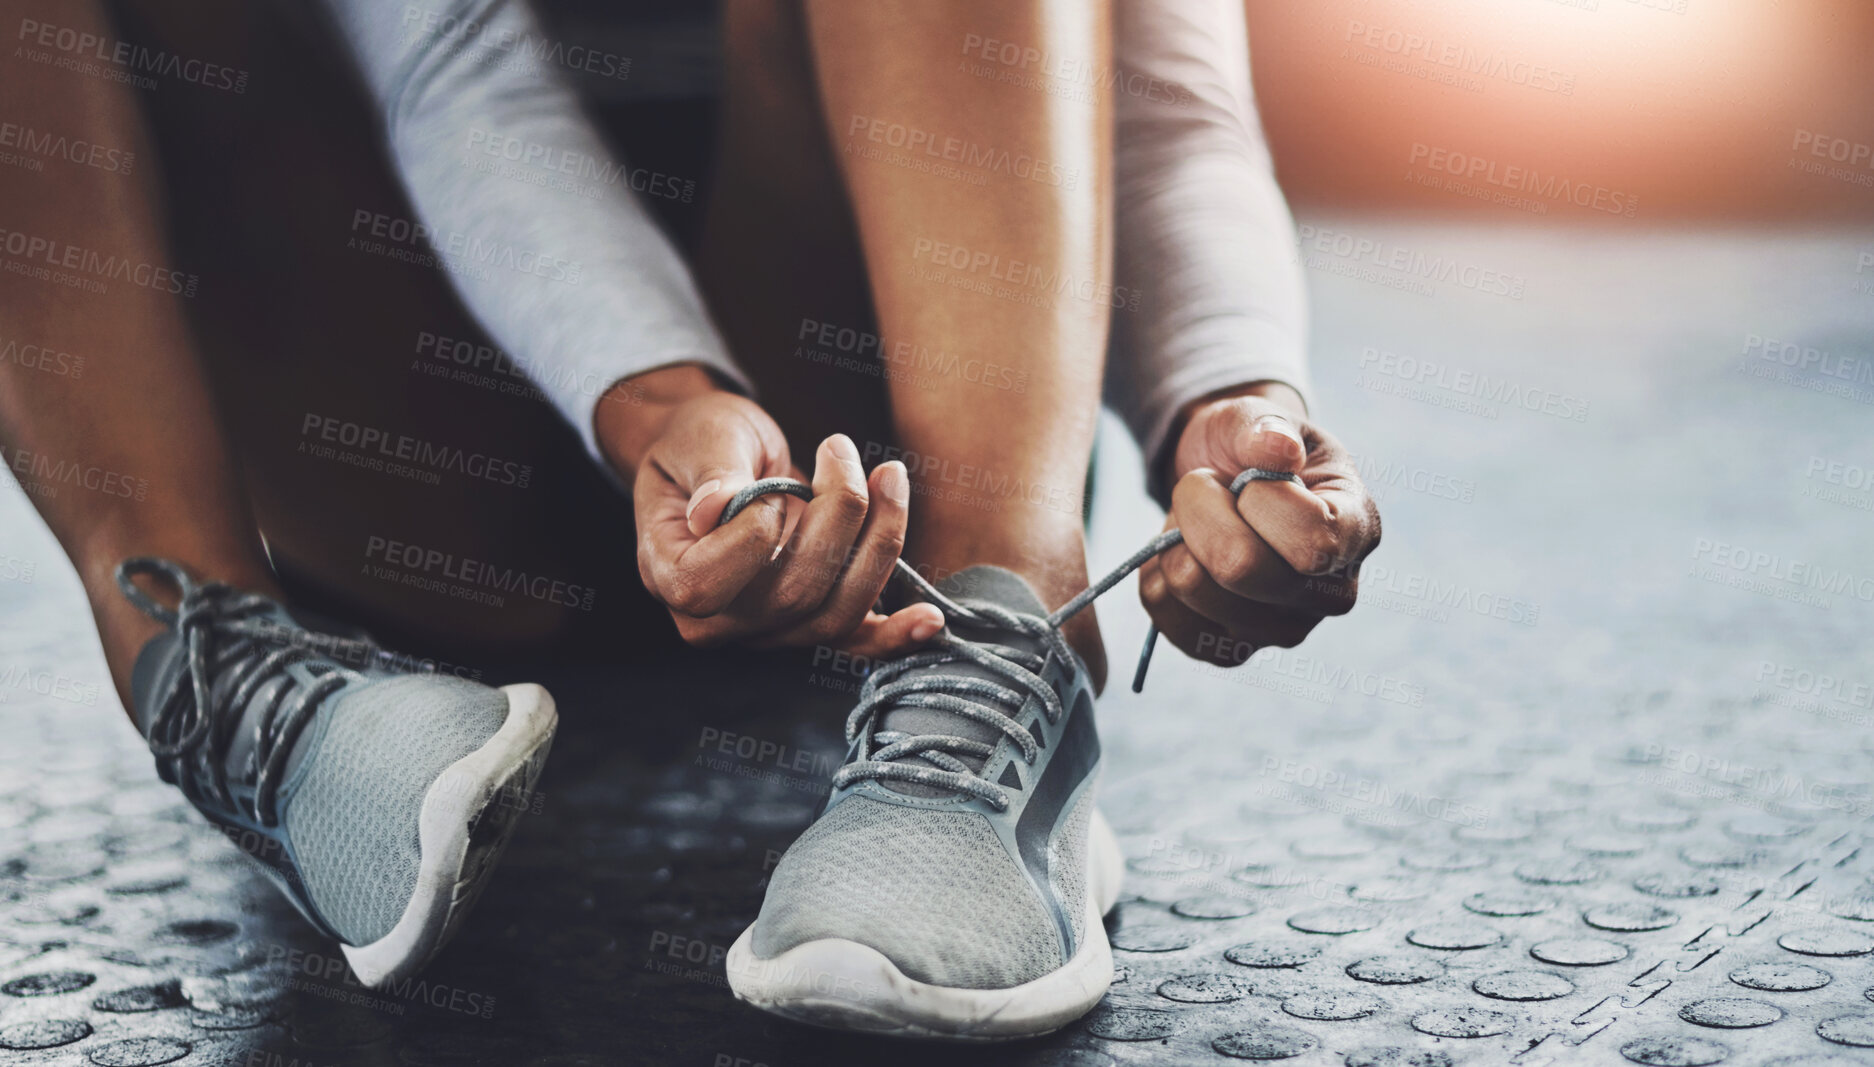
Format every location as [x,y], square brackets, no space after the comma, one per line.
[934,891]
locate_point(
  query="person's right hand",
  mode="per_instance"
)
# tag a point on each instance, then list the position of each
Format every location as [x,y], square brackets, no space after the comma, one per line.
[783,572]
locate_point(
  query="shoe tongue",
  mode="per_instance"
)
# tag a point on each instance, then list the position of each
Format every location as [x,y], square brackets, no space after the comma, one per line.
[981,583]
[998,585]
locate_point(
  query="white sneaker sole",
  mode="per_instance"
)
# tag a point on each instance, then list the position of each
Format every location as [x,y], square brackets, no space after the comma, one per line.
[841,984]
[461,833]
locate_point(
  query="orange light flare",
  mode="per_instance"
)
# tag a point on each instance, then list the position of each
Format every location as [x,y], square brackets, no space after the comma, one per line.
[1689,109]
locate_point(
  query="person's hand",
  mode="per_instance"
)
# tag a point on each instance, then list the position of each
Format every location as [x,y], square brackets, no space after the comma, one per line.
[1264,568]
[784,571]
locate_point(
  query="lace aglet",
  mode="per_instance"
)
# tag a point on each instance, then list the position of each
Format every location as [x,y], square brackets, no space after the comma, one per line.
[1145,659]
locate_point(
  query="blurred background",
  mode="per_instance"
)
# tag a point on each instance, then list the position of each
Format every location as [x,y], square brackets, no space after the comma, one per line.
[1703,110]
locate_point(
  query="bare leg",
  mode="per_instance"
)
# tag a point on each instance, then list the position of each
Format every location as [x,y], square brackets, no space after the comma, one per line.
[1002,458]
[154,475]
[779,260]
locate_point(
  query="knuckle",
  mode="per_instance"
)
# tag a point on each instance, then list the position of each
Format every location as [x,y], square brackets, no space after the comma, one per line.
[871,560]
[682,593]
[794,598]
[1152,587]
[849,504]
[891,540]
[1183,574]
[868,572]
[1321,551]
[1196,478]
[1188,488]
[1235,563]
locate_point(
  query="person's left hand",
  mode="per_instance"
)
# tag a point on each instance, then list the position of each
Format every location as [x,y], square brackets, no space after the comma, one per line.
[1265,567]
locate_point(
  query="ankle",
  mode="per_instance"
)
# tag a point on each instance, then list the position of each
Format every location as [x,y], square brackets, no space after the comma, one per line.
[123,629]
[1083,633]
[238,562]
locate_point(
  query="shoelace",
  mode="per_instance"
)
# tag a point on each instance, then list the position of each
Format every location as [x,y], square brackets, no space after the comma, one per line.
[223,630]
[883,691]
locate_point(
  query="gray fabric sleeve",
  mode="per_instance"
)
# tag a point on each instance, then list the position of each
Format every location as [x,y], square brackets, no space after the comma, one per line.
[1203,236]
[572,278]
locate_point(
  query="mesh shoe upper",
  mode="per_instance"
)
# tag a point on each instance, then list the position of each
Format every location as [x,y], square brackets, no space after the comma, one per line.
[351,812]
[321,763]
[934,891]
[954,885]
[1067,867]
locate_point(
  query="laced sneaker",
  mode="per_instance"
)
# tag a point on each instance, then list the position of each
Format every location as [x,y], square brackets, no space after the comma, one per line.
[377,798]
[954,884]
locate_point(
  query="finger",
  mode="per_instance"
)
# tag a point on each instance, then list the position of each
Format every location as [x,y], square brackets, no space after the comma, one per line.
[1325,526]
[1192,586]
[1224,556]
[706,633]
[1258,622]
[813,559]
[710,461]
[875,636]
[1225,644]
[1253,432]
[885,636]
[1320,531]
[700,578]
[1188,631]
[1276,628]
[879,545]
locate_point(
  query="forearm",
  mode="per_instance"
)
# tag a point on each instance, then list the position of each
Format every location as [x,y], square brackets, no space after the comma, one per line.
[1204,235]
[583,290]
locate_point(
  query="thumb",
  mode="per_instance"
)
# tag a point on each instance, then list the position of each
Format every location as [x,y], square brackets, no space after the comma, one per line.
[1252,432]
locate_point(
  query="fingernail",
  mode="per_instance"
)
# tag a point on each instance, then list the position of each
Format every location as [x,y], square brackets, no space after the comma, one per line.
[1275,424]
[894,482]
[926,630]
[843,448]
[702,491]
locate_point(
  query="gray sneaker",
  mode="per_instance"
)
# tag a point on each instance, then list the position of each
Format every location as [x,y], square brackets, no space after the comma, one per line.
[376,798]
[955,882]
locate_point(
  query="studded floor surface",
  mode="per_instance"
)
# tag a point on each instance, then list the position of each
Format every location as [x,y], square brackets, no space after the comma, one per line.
[1586,779]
